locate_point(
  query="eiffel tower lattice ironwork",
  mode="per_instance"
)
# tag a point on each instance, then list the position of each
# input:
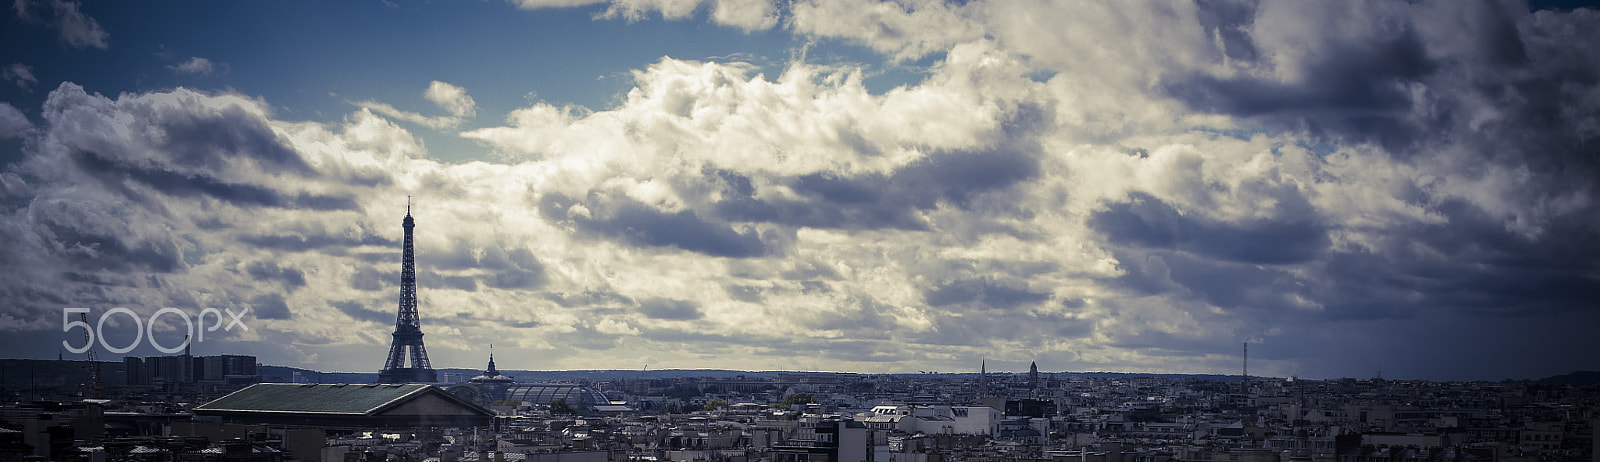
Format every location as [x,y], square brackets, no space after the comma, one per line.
[407,324]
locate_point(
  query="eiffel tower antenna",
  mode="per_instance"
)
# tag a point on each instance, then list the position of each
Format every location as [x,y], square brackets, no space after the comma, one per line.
[407,323]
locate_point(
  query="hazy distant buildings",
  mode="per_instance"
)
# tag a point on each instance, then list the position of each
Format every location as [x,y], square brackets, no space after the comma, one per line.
[853,418]
[172,372]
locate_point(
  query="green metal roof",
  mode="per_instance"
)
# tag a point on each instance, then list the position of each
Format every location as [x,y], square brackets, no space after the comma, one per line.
[353,399]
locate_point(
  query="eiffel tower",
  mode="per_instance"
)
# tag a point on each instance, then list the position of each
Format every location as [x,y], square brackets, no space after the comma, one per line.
[407,325]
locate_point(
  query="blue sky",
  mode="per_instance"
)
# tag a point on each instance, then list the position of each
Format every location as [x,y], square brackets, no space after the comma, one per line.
[311,60]
[845,185]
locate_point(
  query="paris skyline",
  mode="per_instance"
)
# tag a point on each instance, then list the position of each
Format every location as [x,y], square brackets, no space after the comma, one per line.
[834,185]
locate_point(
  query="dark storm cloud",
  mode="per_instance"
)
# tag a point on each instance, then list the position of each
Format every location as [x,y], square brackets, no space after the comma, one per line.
[586,337]
[846,349]
[1548,117]
[1236,286]
[1497,37]
[621,217]
[1167,344]
[690,337]
[988,292]
[1472,263]
[368,279]
[477,321]
[265,270]
[307,240]
[1265,294]
[809,269]
[213,140]
[90,251]
[515,279]
[270,306]
[1489,270]
[66,253]
[1359,93]
[955,178]
[589,299]
[891,200]
[181,137]
[91,237]
[172,144]
[1059,326]
[516,268]
[1361,79]
[1146,221]
[1466,93]
[1532,70]
[1228,21]
[379,257]
[29,296]
[1468,268]
[860,317]
[874,200]
[788,347]
[359,311]
[445,281]
[674,310]
[191,184]
[744,293]
[951,329]
[460,255]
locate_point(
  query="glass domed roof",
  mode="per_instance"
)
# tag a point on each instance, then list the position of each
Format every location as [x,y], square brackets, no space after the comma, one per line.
[544,394]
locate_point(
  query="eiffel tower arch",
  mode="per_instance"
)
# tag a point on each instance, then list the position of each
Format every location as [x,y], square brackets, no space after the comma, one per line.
[407,324]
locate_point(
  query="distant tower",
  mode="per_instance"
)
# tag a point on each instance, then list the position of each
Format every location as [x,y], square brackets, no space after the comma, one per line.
[1033,374]
[492,384]
[1245,380]
[983,378]
[407,325]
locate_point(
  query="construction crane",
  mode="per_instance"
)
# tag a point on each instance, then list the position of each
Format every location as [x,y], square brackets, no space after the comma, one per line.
[94,363]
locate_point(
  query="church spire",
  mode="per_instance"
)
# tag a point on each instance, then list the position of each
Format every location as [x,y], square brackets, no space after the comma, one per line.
[983,378]
[491,371]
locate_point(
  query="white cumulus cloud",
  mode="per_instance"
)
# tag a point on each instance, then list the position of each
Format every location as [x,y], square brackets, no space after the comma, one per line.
[453,99]
[194,65]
